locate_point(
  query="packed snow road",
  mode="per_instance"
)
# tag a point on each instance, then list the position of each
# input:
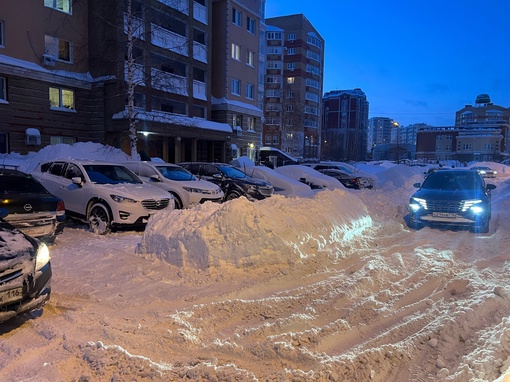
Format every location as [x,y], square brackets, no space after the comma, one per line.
[396,305]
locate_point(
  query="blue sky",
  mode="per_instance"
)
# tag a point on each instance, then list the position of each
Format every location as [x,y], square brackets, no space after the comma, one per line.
[416,61]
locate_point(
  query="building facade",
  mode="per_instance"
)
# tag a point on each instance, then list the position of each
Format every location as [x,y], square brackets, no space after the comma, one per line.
[236,67]
[345,125]
[87,70]
[293,86]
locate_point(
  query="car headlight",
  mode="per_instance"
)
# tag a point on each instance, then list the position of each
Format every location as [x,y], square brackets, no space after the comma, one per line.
[195,190]
[416,203]
[122,199]
[42,257]
[470,204]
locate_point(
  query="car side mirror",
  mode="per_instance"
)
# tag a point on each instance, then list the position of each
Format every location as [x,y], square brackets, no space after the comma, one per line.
[77,180]
[155,178]
[417,185]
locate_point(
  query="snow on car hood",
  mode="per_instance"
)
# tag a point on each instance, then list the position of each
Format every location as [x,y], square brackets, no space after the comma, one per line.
[13,244]
[134,191]
[202,184]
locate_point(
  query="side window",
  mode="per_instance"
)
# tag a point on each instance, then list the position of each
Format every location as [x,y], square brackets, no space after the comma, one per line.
[45,166]
[73,171]
[56,168]
[209,170]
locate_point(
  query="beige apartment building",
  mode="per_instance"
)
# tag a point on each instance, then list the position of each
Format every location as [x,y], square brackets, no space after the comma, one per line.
[64,77]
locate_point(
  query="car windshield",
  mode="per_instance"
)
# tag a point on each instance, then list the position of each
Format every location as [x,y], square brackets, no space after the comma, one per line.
[110,174]
[232,172]
[441,180]
[18,185]
[175,173]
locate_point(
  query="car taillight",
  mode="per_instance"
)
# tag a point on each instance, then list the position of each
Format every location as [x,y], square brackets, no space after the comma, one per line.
[61,208]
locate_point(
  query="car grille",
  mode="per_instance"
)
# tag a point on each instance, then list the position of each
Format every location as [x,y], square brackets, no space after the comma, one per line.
[10,275]
[266,191]
[153,204]
[444,206]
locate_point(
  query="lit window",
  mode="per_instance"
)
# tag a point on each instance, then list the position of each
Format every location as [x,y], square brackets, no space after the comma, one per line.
[250,25]
[61,98]
[236,52]
[236,17]
[61,5]
[236,87]
[290,80]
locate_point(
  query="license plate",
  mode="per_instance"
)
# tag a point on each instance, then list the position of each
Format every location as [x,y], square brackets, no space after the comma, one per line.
[444,215]
[11,295]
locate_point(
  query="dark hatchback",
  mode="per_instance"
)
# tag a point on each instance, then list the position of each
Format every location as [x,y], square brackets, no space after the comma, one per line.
[234,182]
[452,198]
[349,180]
[31,207]
[25,272]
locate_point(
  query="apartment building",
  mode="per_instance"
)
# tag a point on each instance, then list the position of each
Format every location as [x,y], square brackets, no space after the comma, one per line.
[236,66]
[87,70]
[293,86]
[345,126]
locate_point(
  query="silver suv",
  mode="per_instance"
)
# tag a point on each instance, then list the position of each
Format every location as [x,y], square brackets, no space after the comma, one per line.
[102,194]
[186,189]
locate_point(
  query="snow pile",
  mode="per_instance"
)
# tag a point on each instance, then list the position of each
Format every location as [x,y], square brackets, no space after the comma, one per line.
[399,176]
[240,233]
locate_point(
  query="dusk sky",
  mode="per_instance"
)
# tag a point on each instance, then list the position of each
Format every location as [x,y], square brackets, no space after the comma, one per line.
[415,61]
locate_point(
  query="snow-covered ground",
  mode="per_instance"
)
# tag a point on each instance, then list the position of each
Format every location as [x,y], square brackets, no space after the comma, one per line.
[307,285]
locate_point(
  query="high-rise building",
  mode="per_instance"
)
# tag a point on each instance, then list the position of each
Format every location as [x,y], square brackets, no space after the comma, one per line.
[380,131]
[236,68]
[345,125]
[293,86]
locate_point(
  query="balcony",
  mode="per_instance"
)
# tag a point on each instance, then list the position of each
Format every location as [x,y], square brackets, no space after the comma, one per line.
[180,5]
[169,40]
[138,27]
[199,90]
[168,82]
[200,12]
[138,76]
[199,52]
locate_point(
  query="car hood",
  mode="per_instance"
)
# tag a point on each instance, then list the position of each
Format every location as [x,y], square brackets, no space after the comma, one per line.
[449,194]
[256,182]
[202,184]
[13,245]
[134,191]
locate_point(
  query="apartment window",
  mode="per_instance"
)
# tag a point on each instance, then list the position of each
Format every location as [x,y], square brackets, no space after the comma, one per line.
[291,80]
[274,64]
[268,139]
[61,5]
[274,35]
[290,94]
[291,51]
[314,41]
[291,65]
[58,48]
[61,98]
[291,36]
[250,91]
[251,124]
[198,111]
[2,34]
[273,79]
[289,108]
[236,52]
[236,17]
[56,140]
[276,139]
[236,86]
[313,69]
[250,58]
[313,55]
[250,24]
[3,89]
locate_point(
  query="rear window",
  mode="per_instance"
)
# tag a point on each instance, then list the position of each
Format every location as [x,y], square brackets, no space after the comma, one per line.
[20,185]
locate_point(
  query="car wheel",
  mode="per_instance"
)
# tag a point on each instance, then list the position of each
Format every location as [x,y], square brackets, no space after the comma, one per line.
[99,219]
[177,202]
[482,227]
[232,195]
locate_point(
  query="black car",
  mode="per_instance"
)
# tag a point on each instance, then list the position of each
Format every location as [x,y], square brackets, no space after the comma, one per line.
[232,181]
[452,198]
[349,180]
[25,272]
[31,207]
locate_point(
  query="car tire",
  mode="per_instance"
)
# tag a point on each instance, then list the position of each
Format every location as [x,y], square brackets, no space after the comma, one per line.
[232,195]
[100,218]
[177,202]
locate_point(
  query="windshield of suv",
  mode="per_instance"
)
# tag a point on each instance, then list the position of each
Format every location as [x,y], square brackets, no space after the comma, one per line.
[175,173]
[110,174]
[442,180]
[232,172]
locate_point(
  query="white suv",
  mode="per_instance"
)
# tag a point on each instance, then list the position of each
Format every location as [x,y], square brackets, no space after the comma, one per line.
[102,194]
[186,189]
